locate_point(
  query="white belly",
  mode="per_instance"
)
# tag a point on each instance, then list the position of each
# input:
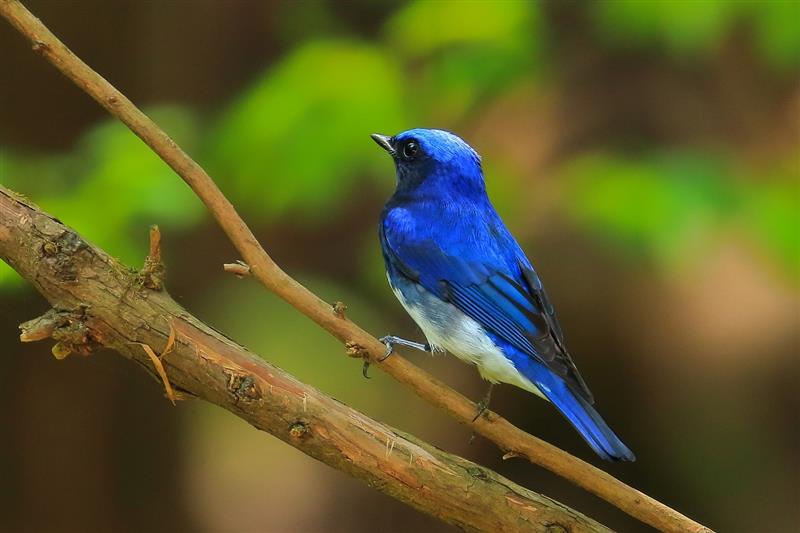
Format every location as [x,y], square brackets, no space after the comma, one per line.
[447,328]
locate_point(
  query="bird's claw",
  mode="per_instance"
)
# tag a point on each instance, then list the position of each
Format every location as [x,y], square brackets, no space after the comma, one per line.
[391,340]
[482,407]
[483,404]
[387,341]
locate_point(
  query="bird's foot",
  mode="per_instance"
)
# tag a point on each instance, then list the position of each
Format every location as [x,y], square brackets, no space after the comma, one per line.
[390,341]
[483,404]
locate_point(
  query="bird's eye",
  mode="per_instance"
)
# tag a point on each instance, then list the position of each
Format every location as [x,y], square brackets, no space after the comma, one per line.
[410,150]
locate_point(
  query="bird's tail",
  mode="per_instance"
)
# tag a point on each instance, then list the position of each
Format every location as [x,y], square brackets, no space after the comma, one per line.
[585,419]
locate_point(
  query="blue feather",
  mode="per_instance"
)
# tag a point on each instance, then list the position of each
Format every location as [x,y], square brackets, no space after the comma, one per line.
[441,236]
[576,409]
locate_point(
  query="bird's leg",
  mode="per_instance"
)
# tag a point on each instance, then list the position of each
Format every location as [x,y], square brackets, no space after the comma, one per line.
[390,340]
[483,405]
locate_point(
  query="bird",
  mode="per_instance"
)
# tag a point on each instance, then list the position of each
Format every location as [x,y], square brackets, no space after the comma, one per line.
[465,281]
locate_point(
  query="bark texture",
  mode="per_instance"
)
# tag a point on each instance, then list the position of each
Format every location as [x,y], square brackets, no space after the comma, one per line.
[99,302]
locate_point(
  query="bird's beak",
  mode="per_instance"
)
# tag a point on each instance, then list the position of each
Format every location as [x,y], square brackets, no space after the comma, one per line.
[384,141]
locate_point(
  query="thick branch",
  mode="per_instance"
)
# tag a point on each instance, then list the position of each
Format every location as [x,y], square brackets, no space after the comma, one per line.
[98,302]
[508,437]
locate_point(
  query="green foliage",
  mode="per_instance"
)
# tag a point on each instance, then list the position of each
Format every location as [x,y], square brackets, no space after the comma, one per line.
[298,138]
[121,174]
[111,187]
[421,27]
[777,28]
[696,28]
[669,207]
[650,208]
[681,27]
[463,52]
[295,142]
[772,216]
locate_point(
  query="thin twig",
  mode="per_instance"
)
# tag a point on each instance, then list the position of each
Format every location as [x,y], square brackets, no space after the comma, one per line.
[155,244]
[153,272]
[495,428]
[238,269]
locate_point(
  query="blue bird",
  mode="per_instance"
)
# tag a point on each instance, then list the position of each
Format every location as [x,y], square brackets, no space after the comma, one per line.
[466,282]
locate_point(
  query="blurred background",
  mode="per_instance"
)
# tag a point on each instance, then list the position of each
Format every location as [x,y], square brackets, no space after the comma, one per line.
[644,153]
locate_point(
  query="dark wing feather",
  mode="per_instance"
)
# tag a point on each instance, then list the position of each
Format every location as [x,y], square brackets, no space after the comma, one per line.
[539,295]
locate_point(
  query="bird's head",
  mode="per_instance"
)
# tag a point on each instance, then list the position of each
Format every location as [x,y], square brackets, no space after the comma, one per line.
[433,162]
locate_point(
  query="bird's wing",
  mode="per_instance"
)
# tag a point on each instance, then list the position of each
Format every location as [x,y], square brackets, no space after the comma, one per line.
[512,305]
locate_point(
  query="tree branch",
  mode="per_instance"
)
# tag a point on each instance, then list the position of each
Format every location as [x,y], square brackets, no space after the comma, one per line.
[99,302]
[495,428]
